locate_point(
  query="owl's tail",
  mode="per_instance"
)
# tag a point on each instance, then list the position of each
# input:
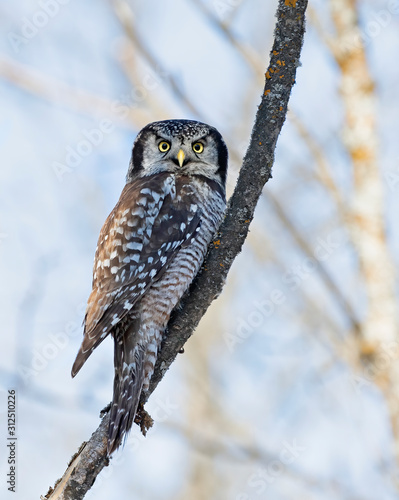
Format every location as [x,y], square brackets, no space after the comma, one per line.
[128,382]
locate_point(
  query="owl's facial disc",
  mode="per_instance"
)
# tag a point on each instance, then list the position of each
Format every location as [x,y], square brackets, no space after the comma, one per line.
[179,154]
[180,147]
[182,157]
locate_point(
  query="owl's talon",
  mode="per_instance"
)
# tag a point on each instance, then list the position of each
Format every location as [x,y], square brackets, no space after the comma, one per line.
[105,410]
[143,419]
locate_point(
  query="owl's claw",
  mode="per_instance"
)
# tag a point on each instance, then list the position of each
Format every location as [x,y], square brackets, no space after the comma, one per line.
[105,410]
[143,419]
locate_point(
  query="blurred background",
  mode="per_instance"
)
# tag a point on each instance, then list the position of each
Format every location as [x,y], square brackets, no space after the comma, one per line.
[289,387]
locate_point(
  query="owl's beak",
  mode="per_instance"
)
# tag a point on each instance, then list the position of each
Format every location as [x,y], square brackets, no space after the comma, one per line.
[180,157]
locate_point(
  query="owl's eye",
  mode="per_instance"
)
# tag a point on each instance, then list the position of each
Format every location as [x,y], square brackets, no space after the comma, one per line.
[198,147]
[163,146]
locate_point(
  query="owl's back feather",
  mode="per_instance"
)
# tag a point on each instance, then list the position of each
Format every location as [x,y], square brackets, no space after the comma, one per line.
[149,235]
[149,250]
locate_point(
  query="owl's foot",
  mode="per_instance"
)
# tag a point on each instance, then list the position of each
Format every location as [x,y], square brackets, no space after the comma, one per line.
[143,419]
[105,410]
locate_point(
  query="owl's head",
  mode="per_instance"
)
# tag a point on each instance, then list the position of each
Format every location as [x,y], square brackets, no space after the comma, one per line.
[179,146]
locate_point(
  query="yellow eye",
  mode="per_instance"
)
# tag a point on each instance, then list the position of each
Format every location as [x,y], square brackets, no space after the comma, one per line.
[198,147]
[163,146]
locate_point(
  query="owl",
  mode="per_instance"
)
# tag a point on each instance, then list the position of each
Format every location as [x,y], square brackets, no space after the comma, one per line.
[149,250]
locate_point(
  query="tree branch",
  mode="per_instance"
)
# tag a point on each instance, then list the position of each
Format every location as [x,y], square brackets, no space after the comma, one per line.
[255,172]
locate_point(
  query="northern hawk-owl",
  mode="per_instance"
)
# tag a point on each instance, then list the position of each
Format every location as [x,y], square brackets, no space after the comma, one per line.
[149,250]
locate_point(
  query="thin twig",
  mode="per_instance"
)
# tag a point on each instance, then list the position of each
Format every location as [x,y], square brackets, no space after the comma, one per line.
[126,18]
[55,91]
[323,167]
[327,279]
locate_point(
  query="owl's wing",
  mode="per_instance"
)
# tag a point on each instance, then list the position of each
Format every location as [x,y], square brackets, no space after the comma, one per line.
[136,244]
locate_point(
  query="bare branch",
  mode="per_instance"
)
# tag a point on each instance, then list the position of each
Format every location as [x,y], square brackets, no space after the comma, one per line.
[249,55]
[342,301]
[367,224]
[323,168]
[379,329]
[255,172]
[55,91]
[126,17]
[322,32]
